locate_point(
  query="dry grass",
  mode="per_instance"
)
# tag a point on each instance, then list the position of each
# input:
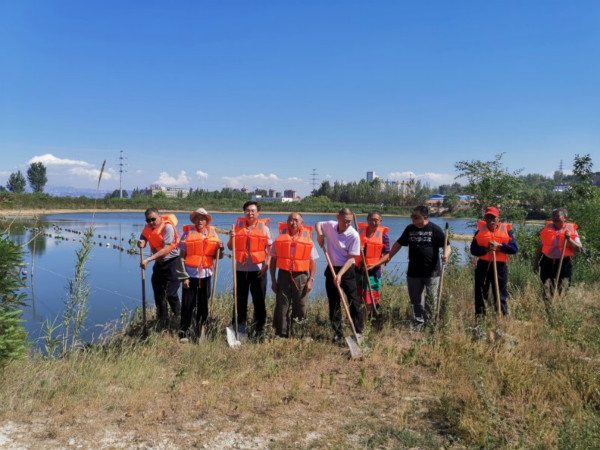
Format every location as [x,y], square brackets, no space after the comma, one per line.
[527,383]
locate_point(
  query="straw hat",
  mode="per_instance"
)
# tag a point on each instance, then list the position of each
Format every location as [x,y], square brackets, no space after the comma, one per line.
[201,212]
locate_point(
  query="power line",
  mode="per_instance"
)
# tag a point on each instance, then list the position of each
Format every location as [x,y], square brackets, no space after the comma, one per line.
[314,179]
[121,172]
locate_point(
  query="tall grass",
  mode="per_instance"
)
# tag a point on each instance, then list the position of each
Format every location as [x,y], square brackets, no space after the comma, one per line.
[521,382]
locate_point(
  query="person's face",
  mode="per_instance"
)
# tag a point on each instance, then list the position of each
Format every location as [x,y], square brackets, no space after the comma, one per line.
[153,220]
[418,219]
[294,222]
[558,219]
[200,221]
[344,222]
[491,221]
[374,221]
[251,213]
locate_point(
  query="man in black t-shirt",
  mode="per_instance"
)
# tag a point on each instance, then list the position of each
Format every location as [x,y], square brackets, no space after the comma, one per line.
[424,240]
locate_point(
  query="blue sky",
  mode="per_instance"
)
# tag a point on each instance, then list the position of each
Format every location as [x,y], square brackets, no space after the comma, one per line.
[258,93]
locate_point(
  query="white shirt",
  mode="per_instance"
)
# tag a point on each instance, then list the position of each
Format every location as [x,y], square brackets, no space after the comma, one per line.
[340,245]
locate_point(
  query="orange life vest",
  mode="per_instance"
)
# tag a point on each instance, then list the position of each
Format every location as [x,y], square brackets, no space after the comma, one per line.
[200,248]
[373,245]
[484,236]
[553,238]
[154,236]
[299,259]
[258,240]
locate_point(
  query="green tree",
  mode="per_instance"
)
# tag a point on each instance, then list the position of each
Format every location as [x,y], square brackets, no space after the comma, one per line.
[116,194]
[16,182]
[36,174]
[584,188]
[492,185]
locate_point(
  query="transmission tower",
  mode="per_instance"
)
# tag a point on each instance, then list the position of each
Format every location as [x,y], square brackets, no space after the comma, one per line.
[313,177]
[122,164]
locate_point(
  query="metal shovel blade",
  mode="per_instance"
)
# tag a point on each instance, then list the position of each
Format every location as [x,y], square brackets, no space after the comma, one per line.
[355,350]
[232,341]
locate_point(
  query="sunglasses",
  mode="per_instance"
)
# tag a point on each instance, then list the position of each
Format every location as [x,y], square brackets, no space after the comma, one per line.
[151,219]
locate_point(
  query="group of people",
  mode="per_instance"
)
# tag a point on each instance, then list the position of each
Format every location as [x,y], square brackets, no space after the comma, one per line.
[357,259]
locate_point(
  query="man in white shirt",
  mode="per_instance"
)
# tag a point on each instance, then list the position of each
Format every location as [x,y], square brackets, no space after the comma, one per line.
[343,245]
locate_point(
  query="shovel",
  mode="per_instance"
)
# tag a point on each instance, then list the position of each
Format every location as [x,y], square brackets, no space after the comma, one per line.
[496,287]
[212,298]
[352,341]
[364,264]
[560,263]
[439,295]
[144,329]
[233,339]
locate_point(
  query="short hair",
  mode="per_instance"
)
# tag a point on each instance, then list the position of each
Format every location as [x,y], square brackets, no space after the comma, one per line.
[345,212]
[250,203]
[372,213]
[423,210]
[562,211]
[151,210]
[296,212]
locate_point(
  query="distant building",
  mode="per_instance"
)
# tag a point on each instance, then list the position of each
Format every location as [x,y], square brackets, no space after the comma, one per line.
[563,187]
[244,190]
[290,193]
[272,193]
[170,192]
[371,176]
[260,198]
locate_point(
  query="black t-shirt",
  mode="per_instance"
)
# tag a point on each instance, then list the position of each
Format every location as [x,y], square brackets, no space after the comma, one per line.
[423,249]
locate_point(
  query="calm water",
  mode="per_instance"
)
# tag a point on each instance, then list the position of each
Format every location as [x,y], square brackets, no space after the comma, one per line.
[114,275]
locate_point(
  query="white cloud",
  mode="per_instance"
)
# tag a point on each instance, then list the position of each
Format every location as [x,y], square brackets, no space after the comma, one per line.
[50,160]
[433,178]
[201,174]
[92,174]
[167,180]
[139,172]
[261,180]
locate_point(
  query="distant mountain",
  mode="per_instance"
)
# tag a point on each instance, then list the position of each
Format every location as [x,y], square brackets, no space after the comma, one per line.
[70,191]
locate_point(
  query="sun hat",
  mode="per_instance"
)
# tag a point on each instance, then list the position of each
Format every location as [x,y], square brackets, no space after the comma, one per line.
[201,212]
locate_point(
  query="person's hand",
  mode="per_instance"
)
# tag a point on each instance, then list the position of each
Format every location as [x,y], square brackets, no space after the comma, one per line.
[567,234]
[274,286]
[186,283]
[370,267]
[338,280]
[141,243]
[321,240]
[144,264]
[232,233]
[493,245]
[308,286]
[444,259]
[262,271]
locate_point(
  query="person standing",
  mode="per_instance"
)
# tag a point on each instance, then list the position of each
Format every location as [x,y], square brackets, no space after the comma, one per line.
[552,239]
[294,254]
[424,240]
[161,234]
[376,245]
[492,236]
[253,240]
[199,246]
[343,245]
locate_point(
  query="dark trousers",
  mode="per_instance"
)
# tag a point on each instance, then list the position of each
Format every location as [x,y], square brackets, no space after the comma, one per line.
[484,281]
[257,286]
[348,285]
[165,285]
[548,272]
[196,296]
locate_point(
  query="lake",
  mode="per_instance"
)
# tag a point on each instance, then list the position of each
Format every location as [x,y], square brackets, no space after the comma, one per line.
[114,275]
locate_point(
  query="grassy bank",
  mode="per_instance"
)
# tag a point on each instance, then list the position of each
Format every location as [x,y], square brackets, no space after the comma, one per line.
[529,381]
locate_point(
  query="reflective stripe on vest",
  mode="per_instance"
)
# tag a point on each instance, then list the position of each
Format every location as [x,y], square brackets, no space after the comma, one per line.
[293,254]
[484,236]
[553,239]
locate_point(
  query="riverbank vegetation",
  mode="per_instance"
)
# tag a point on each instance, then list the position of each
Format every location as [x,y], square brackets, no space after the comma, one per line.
[529,381]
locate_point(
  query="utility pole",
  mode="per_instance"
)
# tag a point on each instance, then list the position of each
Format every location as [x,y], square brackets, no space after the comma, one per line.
[121,172]
[314,179]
